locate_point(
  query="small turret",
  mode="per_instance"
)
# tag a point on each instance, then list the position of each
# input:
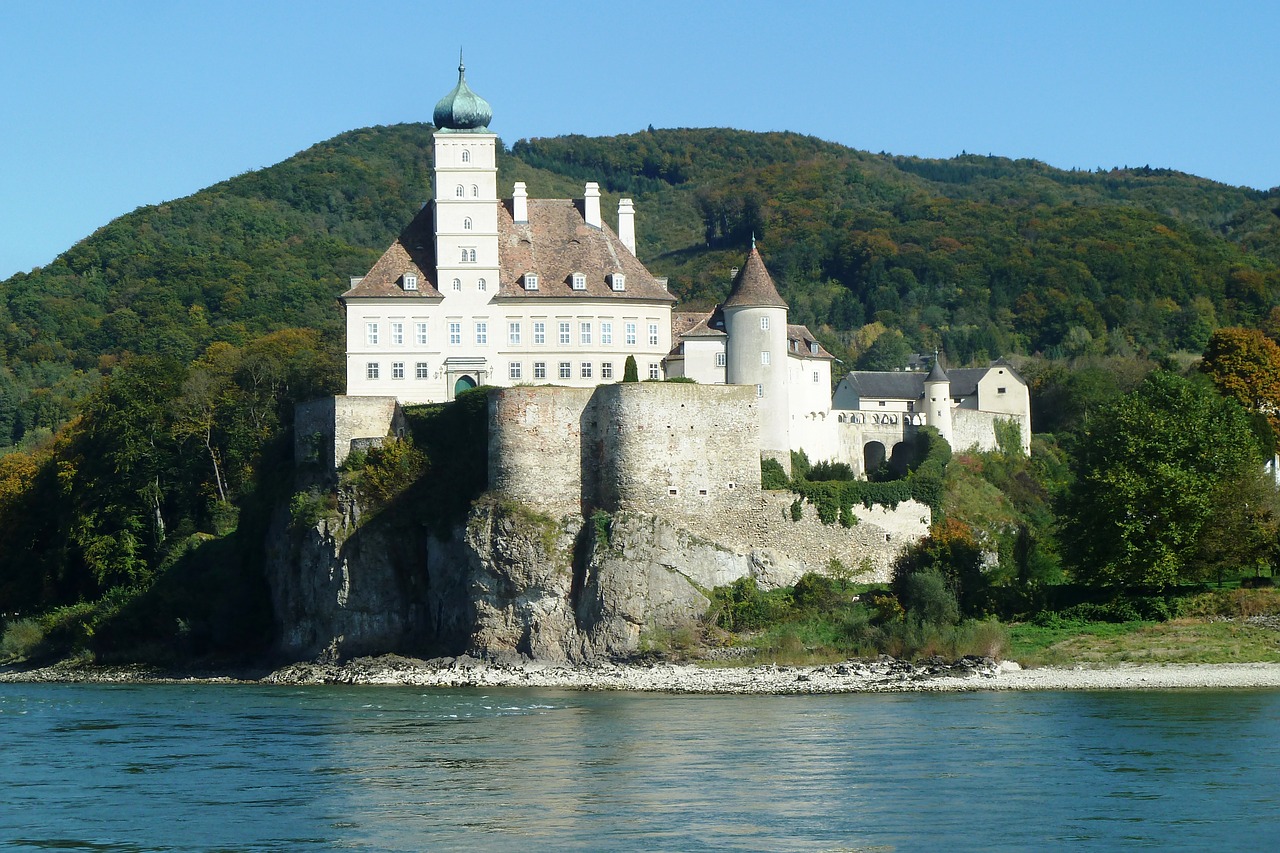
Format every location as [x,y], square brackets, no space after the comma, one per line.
[937,399]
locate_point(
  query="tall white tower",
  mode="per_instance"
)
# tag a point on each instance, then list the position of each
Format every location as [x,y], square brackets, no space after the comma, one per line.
[466,220]
[755,320]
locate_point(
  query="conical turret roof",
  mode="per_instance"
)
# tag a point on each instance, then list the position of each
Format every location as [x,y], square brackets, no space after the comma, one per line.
[753,287]
[936,373]
[462,109]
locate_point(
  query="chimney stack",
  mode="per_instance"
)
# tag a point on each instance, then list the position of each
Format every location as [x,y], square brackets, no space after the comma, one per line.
[591,205]
[627,224]
[520,203]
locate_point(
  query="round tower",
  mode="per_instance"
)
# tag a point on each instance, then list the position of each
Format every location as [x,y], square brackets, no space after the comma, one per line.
[755,320]
[937,399]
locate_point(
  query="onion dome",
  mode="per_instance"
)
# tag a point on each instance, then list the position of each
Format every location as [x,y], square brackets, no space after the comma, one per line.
[462,109]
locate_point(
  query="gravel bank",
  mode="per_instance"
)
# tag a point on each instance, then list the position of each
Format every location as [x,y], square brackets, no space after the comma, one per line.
[879,676]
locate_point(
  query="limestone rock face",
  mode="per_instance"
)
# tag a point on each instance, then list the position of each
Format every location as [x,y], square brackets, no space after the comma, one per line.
[510,582]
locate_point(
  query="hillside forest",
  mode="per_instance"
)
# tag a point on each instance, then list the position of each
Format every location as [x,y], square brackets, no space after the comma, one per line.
[147,375]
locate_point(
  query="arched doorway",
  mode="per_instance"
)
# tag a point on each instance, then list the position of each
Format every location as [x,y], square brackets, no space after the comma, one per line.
[464,383]
[872,458]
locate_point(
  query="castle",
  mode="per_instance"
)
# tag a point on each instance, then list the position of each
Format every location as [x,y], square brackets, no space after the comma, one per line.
[479,290]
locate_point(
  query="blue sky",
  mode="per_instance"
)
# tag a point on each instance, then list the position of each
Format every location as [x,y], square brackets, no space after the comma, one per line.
[108,106]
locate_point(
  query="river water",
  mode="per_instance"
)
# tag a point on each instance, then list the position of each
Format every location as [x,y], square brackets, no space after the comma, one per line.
[247,768]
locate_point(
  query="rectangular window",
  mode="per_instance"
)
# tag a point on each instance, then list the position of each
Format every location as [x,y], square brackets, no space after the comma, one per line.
[760,391]
[397,370]
[606,333]
[513,334]
[397,334]
[721,359]
[631,334]
[539,370]
[655,372]
[420,333]
[1001,390]
[653,334]
[606,370]
[371,334]
[764,323]
[514,370]
[764,357]
[584,334]
[420,371]
[455,334]
[586,370]
[539,334]
[566,370]
[410,281]
[619,281]
[371,370]
[564,334]
[815,376]
[482,334]
[579,281]
[530,281]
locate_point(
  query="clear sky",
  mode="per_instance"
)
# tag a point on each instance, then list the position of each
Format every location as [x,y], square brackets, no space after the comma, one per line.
[108,106]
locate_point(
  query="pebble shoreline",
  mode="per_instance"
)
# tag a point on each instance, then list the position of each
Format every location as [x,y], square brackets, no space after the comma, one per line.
[876,676]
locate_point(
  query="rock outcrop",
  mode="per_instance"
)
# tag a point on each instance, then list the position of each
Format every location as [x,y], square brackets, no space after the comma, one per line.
[509,582]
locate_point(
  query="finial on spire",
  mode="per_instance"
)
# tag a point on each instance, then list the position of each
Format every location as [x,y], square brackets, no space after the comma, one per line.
[753,241]
[461,66]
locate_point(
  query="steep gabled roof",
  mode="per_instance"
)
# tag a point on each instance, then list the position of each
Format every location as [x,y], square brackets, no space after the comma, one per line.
[753,287]
[414,251]
[801,342]
[693,324]
[557,242]
[886,385]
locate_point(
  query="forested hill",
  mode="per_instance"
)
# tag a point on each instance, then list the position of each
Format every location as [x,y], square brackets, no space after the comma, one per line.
[979,255]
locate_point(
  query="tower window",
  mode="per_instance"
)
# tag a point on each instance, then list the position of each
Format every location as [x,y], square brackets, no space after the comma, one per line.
[482,285]
[466,224]
[764,323]
[460,192]
[468,256]
[475,191]
[466,156]
[457,285]
[764,358]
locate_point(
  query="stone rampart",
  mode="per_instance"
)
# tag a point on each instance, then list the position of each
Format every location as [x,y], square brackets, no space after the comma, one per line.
[324,429]
[536,445]
[970,428]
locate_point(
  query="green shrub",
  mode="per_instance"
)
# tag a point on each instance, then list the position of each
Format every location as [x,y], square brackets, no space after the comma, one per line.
[825,471]
[772,476]
[603,523]
[797,509]
[927,596]
[630,372]
[799,464]
[22,640]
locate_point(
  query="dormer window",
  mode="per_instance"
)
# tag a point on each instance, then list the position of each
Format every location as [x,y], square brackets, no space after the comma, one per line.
[579,281]
[466,156]
[618,281]
[813,347]
[530,281]
[409,281]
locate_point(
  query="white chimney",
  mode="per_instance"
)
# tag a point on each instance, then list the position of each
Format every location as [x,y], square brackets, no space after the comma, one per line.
[520,203]
[591,205]
[627,224]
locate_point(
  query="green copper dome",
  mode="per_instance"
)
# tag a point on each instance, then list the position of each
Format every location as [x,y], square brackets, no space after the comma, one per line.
[462,109]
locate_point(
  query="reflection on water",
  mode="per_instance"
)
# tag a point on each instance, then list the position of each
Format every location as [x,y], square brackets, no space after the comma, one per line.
[227,767]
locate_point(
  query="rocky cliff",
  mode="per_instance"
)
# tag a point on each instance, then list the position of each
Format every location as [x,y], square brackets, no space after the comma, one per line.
[508,581]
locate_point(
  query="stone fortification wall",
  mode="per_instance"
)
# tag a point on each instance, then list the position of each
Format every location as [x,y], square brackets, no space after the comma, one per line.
[324,429]
[673,448]
[970,428]
[536,445]
[646,447]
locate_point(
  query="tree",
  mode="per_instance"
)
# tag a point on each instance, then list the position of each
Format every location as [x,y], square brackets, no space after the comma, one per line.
[1157,475]
[1244,364]
[630,372]
[889,352]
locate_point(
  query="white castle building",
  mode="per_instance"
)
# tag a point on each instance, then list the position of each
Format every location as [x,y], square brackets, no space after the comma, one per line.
[479,290]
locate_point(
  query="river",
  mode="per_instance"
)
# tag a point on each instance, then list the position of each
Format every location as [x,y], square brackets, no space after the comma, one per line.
[225,767]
